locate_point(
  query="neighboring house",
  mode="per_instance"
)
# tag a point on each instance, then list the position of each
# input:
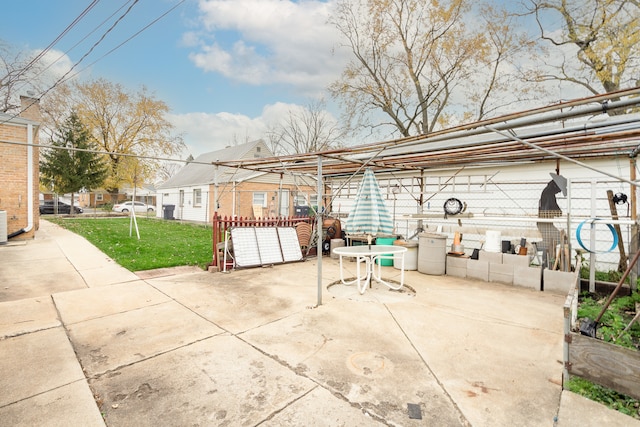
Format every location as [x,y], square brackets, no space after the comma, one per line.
[192,192]
[99,197]
[20,170]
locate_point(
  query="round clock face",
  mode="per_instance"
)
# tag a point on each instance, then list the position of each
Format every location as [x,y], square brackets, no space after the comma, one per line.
[453,206]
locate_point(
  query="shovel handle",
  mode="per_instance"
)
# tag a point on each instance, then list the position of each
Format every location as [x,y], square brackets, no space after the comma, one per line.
[615,291]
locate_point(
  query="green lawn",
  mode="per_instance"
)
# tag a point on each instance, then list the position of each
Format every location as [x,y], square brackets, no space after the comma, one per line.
[162,243]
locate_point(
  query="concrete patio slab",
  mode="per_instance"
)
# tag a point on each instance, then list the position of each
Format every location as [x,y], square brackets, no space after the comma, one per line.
[358,352]
[254,347]
[37,269]
[217,381]
[522,383]
[68,405]
[110,342]
[237,302]
[35,363]
[106,275]
[320,408]
[27,315]
[93,303]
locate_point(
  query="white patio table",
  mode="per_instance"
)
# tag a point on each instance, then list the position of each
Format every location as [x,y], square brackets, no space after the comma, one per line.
[370,256]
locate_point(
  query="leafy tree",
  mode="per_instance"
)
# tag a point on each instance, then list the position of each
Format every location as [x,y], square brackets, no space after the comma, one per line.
[305,130]
[130,126]
[603,37]
[71,162]
[421,64]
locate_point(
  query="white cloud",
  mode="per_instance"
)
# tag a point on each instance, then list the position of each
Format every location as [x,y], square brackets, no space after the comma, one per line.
[56,63]
[269,41]
[205,132]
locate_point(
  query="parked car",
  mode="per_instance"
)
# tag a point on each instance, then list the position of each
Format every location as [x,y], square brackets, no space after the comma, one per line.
[128,207]
[48,207]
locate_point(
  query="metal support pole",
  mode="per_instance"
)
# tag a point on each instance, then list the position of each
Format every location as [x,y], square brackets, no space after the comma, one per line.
[319,230]
[592,243]
[215,188]
[633,241]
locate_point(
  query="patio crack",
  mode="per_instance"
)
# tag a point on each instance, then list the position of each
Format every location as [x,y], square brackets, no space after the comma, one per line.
[440,384]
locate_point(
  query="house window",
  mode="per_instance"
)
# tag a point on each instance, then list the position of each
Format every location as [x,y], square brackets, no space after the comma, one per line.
[260,199]
[300,199]
[197,197]
[99,197]
[181,200]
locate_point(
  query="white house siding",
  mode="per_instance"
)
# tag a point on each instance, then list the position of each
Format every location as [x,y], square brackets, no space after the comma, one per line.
[187,211]
[503,192]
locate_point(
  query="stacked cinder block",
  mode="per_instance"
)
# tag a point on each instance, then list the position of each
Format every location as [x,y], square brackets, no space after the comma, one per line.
[510,269]
[497,267]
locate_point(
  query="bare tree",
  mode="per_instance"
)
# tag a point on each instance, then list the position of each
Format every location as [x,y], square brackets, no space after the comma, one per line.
[499,78]
[168,169]
[305,130]
[420,63]
[605,36]
[20,74]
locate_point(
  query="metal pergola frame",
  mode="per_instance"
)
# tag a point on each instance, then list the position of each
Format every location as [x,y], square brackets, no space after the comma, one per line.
[522,137]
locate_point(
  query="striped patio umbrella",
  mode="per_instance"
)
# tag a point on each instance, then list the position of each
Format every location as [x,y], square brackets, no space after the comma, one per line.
[369,214]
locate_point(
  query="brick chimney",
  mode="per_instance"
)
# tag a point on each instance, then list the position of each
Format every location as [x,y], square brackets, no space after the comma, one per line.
[30,108]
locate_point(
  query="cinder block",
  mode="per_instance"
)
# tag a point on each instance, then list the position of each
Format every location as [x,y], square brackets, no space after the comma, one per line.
[477,269]
[516,260]
[558,281]
[502,273]
[490,257]
[457,266]
[528,277]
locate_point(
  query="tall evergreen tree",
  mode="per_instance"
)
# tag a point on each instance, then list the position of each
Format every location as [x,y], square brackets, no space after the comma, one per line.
[71,162]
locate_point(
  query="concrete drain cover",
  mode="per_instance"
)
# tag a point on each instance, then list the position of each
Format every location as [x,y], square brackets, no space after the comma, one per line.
[370,365]
[376,293]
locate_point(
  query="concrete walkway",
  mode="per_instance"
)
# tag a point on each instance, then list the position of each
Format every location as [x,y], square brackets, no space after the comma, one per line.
[84,342]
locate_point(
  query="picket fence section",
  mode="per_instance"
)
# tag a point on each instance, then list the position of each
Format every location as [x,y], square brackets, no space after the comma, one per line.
[221,226]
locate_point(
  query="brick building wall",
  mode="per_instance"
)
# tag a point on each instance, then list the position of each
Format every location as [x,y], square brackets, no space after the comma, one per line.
[14,194]
[244,198]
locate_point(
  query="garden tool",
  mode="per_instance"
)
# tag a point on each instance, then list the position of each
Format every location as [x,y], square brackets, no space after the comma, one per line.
[630,323]
[588,326]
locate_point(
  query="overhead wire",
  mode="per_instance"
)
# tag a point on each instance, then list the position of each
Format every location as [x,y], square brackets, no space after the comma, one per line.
[61,79]
[76,45]
[66,76]
[131,37]
[57,39]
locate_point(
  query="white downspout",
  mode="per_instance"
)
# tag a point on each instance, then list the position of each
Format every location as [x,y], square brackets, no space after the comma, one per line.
[29,179]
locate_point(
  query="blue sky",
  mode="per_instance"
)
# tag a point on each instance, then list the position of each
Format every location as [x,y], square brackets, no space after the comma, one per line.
[226,68]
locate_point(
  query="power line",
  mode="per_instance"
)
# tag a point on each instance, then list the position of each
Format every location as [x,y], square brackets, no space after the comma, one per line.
[76,45]
[106,153]
[130,38]
[53,43]
[66,76]
[61,79]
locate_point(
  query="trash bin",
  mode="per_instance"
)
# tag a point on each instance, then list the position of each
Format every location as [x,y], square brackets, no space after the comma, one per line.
[385,259]
[432,253]
[301,210]
[168,211]
[410,256]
